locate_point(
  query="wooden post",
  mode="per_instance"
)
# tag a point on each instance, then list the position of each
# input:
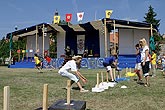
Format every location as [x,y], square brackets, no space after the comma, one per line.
[68,91]
[114,36]
[114,73]
[26,51]
[45,97]
[102,78]
[6,98]
[151,31]
[43,40]
[105,35]
[11,37]
[97,80]
[36,37]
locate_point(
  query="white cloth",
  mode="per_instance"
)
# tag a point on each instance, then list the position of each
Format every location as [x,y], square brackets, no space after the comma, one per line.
[108,68]
[70,65]
[64,71]
[146,74]
[138,66]
[143,54]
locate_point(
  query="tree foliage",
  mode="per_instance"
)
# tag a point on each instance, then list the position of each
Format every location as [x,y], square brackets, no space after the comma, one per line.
[53,45]
[150,17]
[4,47]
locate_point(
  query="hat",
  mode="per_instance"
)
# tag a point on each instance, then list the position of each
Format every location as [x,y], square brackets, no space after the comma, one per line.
[76,57]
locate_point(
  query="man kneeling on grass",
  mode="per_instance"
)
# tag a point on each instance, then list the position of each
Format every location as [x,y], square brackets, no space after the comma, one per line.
[109,63]
[73,65]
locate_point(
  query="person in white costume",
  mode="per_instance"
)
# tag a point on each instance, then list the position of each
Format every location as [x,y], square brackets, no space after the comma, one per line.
[145,61]
[70,70]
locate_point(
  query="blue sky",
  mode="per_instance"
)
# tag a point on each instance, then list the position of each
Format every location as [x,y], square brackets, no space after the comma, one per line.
[25,13]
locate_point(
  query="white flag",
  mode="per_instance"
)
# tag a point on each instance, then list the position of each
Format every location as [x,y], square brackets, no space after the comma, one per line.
[80,16]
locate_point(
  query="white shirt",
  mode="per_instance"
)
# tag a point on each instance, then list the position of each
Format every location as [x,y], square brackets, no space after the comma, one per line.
[143,54]
[70,65]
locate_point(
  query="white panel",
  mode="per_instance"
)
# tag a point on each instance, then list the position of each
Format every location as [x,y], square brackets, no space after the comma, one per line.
[138,34]
[128,38]
[126,41]
[60,44]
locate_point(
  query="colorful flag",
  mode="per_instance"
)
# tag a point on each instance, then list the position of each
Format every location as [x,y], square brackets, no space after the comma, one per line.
[80,16]
[108,13]
[56,19]
[68,17]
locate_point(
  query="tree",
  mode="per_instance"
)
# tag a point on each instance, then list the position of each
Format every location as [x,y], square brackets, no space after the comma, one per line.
[4,47]
[150,17]
[53,45]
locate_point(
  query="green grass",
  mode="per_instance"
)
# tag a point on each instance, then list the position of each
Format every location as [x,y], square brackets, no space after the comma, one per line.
[26,87]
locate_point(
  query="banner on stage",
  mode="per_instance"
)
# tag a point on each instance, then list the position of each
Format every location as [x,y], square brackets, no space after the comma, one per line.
[80,44]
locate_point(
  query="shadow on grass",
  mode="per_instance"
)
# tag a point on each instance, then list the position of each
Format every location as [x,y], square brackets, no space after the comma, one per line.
[73,88]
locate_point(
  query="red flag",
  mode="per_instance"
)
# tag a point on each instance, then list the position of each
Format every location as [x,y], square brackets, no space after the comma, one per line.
[68,17]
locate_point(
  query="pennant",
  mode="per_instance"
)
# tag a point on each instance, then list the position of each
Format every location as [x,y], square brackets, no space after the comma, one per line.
[80,16]
[56,19]
[108,13]
[68,17]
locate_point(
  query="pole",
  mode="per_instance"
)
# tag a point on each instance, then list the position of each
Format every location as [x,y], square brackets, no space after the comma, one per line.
[36,38]
[114,36]
[97,84]
[68,91]
[105,35]
[45,97]
[10,47]
[43,40]
[151,31]
[6,98]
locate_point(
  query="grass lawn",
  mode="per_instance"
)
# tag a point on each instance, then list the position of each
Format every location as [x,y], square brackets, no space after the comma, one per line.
[26,87]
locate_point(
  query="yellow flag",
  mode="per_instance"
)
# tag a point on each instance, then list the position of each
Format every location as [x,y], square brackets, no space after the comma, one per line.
[56,19]
[108,13]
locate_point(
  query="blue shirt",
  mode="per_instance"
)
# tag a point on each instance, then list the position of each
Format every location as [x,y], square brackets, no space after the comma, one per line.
[138,58]
[109,60]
